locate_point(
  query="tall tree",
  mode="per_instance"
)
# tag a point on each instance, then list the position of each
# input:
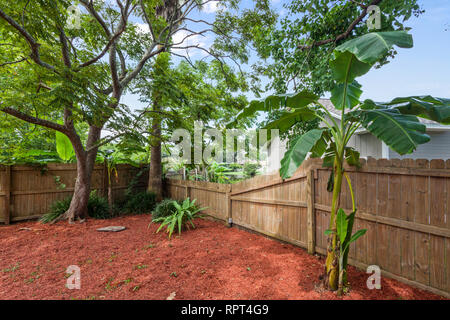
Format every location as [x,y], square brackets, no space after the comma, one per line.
[184,94]
[78,64]
[302,45]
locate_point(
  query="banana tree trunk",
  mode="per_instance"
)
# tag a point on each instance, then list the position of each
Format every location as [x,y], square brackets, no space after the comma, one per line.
[332,261]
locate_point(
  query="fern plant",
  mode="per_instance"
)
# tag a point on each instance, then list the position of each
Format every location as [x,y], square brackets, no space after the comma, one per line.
[182,217]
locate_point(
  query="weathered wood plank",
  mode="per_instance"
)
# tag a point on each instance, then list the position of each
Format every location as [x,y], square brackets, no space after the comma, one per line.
[7,191]
[311,222]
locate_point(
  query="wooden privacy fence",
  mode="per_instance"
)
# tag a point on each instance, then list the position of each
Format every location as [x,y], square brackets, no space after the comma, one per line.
[27,192]
[403,204]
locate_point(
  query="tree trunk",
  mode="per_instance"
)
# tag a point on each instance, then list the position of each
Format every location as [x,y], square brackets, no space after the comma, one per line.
[110,192]
[155,175]
[85,165]
[332,261]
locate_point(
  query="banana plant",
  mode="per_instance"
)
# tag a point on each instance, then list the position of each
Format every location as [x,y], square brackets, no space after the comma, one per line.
[344,226]
[64,147]
[111,158]
[396,123]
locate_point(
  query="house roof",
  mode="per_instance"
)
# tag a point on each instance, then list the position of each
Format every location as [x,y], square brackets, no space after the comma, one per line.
[337,114]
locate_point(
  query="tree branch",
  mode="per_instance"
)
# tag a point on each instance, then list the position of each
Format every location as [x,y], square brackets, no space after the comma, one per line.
[344,35]
[31,41]
[34,120]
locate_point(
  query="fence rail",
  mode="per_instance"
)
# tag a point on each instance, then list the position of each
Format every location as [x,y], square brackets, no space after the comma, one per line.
[27,192]
[403,204]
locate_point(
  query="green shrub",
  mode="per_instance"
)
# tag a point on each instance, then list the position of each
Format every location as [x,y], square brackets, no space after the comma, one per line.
[97,208]
[142,202]
[57,209]
[164,209]
[182,217]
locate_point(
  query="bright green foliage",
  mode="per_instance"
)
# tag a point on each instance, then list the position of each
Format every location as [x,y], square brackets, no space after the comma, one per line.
[224,173]
[183,217]
[22,142]
[164,209]
[310,21]
[400,132]
[210,93]
[356,57]
[64,147]
[344,232]
[298,151]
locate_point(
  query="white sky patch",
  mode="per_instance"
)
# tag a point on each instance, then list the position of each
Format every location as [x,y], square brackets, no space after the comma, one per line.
[182,39]
[143,27]
[210,7]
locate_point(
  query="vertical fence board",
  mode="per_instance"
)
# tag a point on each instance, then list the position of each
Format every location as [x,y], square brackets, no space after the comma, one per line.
[7,191]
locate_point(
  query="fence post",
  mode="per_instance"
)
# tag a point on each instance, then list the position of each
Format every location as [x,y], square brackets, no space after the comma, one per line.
[228,208]
[8,194]
[311,212]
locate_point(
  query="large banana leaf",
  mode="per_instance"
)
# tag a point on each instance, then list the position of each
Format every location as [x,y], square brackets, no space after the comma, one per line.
[64,147]
[428,107]
[345,67]
[346,95]
[403,133]
[274,102]
[355,57]
[299,149]
[289,118]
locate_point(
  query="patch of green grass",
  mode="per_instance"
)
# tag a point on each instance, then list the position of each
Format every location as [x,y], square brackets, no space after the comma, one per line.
[109,286]
[141,266]
[249,269]
[174,274]
[149,246]
[13,268]
[136,288]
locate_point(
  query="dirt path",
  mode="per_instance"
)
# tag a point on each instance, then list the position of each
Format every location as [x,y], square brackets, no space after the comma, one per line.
[211,262]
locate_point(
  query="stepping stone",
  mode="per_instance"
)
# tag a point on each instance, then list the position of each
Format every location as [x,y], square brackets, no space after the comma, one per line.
[111,229]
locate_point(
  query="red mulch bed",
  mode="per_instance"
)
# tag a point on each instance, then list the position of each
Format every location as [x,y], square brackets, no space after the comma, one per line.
[211,262]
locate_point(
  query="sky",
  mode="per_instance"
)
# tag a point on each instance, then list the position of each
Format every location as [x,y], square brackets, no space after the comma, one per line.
[424,69]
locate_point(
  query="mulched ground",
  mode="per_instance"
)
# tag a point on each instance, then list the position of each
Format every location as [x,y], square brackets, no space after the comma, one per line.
[211,262]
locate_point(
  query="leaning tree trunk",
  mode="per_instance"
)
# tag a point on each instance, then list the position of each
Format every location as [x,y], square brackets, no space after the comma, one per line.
[155,175]
[332,262]
[85,165]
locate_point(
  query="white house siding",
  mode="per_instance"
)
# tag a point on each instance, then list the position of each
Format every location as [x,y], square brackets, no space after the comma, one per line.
[437,148]
[367,145]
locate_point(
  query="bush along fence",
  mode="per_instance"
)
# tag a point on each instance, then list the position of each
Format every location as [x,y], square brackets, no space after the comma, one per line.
[27,192]
[403,204]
